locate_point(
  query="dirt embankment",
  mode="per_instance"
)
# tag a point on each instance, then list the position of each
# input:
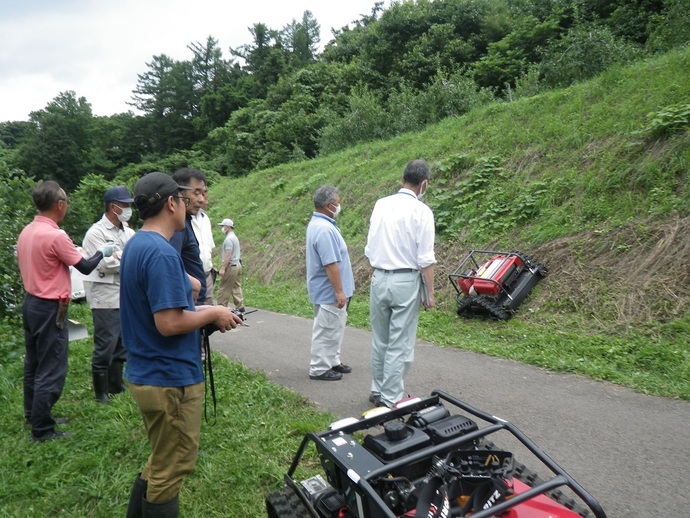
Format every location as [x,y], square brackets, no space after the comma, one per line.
[637,273]
[634,274]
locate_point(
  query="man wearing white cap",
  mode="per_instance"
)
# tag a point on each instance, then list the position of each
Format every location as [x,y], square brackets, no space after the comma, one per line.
[231,270]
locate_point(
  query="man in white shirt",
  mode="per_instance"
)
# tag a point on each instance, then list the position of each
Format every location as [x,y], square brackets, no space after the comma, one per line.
[204,235]
[400,248]
[103,292]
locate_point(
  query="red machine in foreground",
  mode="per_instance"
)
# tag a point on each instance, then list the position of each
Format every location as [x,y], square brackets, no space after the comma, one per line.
[494,284]
[430,457]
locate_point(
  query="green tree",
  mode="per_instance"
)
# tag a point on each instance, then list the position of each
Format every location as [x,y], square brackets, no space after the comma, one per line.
[671,28]
[58,144]
[265,59]
[166,94]
[347,43]
[16,211]
[582,53]
[302,40]
[220,85]
[118,140]
[511,57]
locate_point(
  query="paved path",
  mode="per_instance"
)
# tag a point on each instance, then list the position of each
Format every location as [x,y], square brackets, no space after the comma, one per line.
[630,451]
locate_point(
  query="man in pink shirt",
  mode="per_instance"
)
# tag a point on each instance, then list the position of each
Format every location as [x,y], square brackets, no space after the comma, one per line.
[45,253]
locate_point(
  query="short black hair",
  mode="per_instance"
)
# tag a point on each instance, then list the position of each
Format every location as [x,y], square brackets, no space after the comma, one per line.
[416,172]
[184,175]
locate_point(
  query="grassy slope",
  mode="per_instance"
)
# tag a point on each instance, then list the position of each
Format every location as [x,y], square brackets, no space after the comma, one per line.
[605,199]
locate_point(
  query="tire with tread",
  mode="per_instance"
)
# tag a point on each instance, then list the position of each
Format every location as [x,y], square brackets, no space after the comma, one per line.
[284,503]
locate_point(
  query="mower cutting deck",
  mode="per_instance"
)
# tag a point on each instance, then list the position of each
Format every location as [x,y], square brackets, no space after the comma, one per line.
[494,284]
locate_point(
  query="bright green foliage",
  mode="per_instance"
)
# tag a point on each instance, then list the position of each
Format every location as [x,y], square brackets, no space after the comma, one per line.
[477,198]
[510,58]
[666,122]
[16,211]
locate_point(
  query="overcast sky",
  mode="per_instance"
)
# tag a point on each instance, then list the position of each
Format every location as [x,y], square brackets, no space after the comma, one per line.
[97,47]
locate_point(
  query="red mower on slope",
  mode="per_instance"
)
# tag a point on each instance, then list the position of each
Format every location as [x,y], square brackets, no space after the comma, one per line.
[494,284]
[421,459]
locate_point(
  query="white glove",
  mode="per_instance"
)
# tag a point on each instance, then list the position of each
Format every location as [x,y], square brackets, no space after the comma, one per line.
[107,250]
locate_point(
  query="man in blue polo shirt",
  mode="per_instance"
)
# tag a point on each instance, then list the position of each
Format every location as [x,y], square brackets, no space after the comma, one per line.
[160,329]
[330,284]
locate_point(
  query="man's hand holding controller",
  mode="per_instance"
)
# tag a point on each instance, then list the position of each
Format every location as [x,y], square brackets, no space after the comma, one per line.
[225,320]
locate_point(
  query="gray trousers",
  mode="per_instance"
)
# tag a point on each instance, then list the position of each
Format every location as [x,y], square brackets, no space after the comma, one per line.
[394,301]
[326,337]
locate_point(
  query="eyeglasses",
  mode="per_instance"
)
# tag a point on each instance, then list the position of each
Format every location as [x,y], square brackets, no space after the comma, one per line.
[186,200]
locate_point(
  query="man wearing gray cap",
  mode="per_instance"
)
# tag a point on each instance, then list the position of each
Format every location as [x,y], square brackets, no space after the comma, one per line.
[160,329]
[231,270]
[103,292]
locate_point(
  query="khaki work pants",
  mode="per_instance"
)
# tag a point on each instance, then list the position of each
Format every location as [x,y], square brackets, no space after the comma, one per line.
[231,284]
[172,418]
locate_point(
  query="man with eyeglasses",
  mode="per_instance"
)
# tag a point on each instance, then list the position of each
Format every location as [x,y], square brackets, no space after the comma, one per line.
[185,241]
[45,252]
[103,292]
[160,329]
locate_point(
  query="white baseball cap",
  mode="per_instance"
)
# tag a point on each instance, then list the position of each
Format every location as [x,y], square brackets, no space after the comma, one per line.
[227,222]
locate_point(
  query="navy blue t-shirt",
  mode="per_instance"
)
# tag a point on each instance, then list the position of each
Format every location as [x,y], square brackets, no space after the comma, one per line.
[153,278]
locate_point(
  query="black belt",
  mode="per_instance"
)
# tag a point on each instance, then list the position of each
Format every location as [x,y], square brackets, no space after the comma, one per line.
[399,270]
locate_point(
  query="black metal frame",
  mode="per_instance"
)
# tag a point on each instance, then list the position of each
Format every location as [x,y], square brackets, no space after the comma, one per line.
[361,481]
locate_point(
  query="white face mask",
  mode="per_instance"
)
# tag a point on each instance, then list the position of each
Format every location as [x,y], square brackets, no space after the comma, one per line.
[337,211]
[422,193]
[125,214]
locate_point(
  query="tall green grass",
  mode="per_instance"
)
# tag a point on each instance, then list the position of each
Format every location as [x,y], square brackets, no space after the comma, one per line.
[244,452]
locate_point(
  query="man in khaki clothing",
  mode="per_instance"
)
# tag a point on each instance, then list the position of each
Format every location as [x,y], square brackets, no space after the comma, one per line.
[231,270]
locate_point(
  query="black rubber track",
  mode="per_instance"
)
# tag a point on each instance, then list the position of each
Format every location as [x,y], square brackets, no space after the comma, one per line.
[284,503]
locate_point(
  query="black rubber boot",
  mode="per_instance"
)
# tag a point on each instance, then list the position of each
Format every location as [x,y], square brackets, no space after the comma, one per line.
[167,509]
[115,383]
[100,385]
[136,498]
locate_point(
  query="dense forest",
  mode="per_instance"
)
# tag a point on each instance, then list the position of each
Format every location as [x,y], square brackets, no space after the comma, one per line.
[278,100]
